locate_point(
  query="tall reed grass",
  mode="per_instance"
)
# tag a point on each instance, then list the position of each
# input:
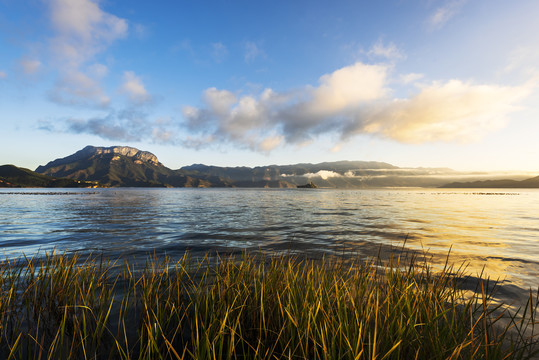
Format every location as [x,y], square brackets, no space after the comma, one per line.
[63,307]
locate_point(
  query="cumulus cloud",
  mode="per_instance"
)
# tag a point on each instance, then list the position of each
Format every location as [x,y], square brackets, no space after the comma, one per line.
[444,13]
[449,111]
[82,30]
[353,100]
[348,87]
[240,120]
[134,88]
[29,66]
[292,117]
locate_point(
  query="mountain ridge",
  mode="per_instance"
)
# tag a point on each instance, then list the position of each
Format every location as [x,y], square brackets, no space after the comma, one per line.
[127,166]
[93,150]
[530,183]
[118,166]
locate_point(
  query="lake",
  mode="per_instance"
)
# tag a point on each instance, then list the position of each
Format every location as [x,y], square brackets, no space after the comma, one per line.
[492,229]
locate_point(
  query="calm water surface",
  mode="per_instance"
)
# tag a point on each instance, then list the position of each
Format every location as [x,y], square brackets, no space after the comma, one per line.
[497,230]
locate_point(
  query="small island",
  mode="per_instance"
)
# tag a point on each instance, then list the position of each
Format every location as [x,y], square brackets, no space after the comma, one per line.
[310,185]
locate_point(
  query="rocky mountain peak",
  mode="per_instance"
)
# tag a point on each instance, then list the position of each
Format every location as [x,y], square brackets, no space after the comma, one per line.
[89,151]
[136,154]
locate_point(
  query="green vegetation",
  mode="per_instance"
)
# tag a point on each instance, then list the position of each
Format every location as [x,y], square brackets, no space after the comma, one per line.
[62,307]
[12,176]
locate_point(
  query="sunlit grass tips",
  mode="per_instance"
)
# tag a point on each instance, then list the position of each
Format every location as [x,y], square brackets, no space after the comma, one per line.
[63,307]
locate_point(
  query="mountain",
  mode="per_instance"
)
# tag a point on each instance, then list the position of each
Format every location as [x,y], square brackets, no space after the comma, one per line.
[338,174]
[121,166]
[502,184]
[128,166]
[15,177]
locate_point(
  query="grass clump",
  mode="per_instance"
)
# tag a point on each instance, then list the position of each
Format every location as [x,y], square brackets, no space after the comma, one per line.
[61,307]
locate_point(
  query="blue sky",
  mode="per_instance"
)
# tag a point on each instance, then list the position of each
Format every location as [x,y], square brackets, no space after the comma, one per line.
[434,83]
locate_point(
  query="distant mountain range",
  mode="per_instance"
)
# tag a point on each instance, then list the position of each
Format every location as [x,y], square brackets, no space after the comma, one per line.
[127,166]
[502,184]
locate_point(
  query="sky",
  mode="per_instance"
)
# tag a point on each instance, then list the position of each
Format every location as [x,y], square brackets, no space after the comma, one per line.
[415,83]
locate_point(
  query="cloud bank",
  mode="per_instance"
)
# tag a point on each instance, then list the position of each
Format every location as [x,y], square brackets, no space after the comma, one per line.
[126,125]
[350,101]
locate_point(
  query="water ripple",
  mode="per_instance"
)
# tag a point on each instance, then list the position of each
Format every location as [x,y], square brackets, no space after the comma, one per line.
[498,233]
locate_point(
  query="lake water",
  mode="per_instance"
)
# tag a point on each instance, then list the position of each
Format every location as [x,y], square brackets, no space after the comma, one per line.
[497,230]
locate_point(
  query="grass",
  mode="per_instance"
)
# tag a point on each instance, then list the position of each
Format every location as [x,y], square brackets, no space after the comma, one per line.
[64,307]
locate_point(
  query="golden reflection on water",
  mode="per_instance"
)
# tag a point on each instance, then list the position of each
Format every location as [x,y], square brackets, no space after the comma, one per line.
[475,229]
[495,233]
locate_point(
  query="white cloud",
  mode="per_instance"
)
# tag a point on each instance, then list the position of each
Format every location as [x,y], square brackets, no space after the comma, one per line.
[324,174]
[297,116]
[219,101]
[82,30]
[98,70]
[134,88]
[219,52]
[77,89]
[355,100]
[29,66]
[410,78]
[142,32]
[444,13]
[524,60]
[270,143]
[348,87]
[162,136]
[252,51]
[388,51]
[450,111]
